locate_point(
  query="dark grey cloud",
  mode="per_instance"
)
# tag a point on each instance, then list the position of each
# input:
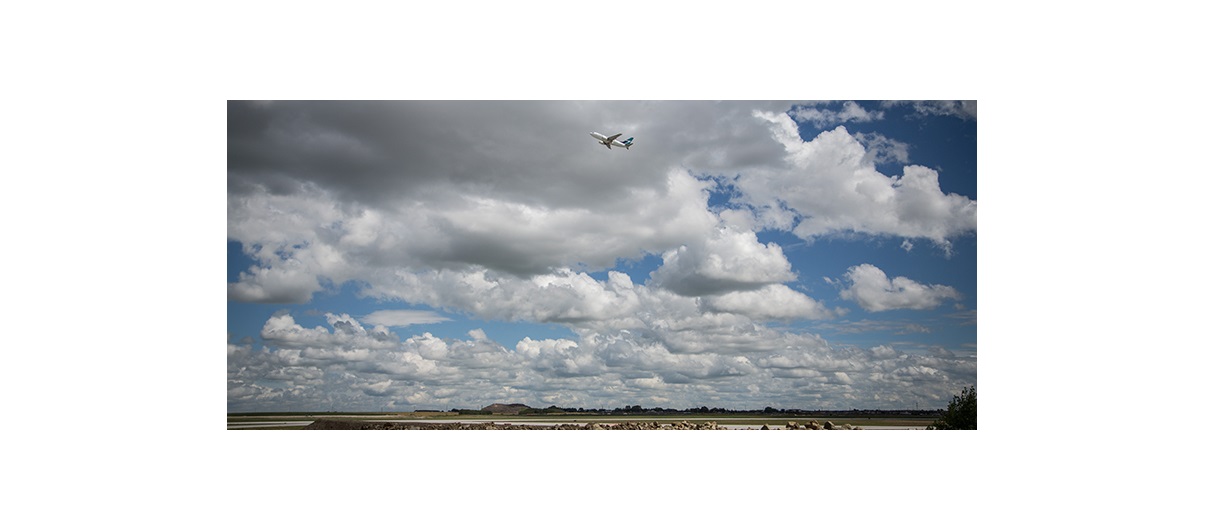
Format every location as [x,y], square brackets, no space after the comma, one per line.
[536,151]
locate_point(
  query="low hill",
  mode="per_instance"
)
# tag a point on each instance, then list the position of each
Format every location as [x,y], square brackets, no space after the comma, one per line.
[499,408]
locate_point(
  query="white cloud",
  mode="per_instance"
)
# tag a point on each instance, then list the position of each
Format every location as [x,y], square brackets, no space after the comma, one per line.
[704,359]
[296,250]
[560,358]
[882,149]
[281,330]
[967,110]
[772,302]
[279,284]
[729,260]
[822,117]
[874,291]
[832,186]
[403,317]
[560,296]
[460,250]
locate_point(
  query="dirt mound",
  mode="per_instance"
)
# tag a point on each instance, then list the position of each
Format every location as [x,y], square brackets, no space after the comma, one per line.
[499,408]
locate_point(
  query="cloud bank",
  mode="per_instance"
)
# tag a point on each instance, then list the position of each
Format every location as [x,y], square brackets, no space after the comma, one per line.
[706,359]
[874,291]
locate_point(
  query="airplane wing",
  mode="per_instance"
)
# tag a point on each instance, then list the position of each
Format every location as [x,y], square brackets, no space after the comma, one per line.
[613,137]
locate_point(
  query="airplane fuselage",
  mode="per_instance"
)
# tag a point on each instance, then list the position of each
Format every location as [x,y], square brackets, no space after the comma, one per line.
[608,141]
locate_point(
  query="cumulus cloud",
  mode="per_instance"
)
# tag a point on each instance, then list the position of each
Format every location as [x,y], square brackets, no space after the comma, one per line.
[503,260]
[281,283]
[772,302]
[704,358]
[874,291]
[832,186]
[701,357]
[299,241]
[560,358]
[559,296]
[282,330]
[729,260]
[882,149]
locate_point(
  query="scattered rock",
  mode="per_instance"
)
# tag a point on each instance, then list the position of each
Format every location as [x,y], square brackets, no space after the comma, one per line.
[335,425]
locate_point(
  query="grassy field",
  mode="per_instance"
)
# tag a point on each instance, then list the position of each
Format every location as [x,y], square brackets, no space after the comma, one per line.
[300,416]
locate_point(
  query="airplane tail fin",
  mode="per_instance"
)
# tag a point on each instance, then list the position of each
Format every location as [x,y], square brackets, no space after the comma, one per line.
[627,144]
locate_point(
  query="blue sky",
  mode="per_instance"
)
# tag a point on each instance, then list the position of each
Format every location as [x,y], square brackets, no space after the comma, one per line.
[414,255]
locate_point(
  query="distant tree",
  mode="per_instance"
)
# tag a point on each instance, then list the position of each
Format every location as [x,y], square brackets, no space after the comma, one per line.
[960,415]
[770,410]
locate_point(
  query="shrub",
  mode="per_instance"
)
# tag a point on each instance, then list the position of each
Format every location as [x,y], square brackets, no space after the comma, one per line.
[960,415]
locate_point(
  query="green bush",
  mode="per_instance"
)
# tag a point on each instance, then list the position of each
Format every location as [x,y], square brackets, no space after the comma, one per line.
[960,415]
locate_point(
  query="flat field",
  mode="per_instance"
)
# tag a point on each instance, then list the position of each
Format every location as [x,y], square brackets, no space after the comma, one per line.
[276,421]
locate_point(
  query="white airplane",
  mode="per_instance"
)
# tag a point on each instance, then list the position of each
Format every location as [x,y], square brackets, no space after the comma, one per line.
[610,140]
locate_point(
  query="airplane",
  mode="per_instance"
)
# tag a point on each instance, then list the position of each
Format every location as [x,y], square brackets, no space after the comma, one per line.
[610,140]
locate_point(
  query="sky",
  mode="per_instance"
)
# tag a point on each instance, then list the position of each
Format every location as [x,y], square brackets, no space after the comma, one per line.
[409,255]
